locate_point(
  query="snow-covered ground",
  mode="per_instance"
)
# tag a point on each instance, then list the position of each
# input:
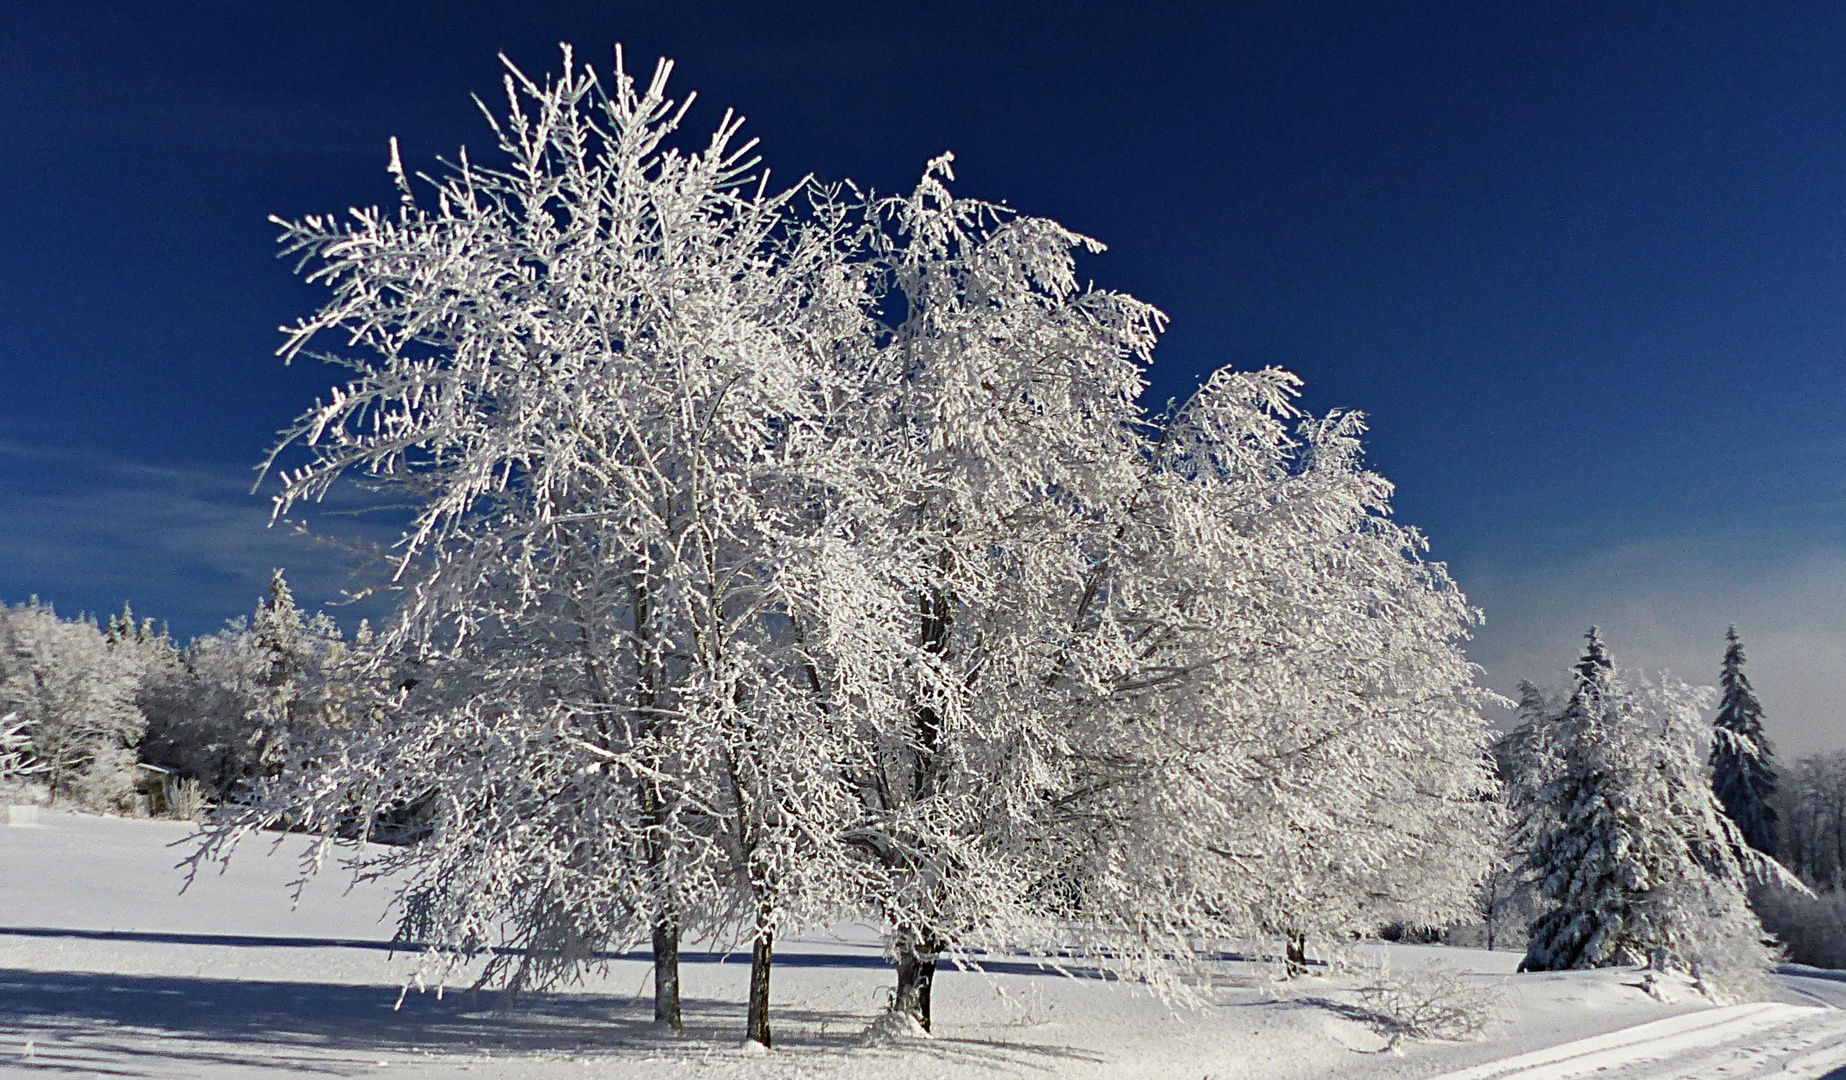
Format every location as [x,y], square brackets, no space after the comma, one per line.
[105,969]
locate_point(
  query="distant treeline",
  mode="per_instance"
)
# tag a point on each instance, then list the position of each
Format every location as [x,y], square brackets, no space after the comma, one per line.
[115,716]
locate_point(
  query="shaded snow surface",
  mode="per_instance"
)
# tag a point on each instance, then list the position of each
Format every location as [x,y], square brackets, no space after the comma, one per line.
[106,969]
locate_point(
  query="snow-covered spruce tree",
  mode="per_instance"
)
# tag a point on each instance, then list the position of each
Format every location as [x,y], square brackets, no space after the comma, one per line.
[1742,759]
[1635,854]
[1526,759]
[219,711]
[1271,729]
[125,629]
[646,601]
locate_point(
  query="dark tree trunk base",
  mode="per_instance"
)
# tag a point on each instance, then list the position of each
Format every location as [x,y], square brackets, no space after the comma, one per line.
[758,1023]
[666,974]
[1296,958]
[916,975]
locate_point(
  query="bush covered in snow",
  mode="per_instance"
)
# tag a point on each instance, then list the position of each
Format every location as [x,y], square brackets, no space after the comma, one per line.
[1428,1004]
[71,694]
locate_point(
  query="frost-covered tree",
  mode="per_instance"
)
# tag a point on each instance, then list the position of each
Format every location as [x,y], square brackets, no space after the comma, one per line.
[124,629]
[76,692]
[1273,729]
[1005,401]
[1742,758]
[609,377]
[1634,853]
[1811,808]
[1118,594]
[1525,760]
[778,556]
[221,710]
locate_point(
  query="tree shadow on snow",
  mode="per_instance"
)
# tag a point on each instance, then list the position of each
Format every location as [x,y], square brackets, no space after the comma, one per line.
[141,1025]
[788,959]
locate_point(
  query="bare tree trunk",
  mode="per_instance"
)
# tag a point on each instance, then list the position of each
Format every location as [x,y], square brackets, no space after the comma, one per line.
[666,972]
[666,924]
[57,770]
[918,951]
[1839,840]
[916,973]
[654,814]
[1296,958]
[761,952]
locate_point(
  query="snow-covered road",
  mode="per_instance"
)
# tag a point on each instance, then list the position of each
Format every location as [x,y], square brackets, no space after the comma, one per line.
[1761,1039]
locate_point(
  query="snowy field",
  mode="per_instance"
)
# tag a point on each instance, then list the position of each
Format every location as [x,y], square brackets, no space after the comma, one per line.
[106,970]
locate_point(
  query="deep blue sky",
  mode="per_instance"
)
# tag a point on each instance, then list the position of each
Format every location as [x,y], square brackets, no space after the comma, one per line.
[1584,265]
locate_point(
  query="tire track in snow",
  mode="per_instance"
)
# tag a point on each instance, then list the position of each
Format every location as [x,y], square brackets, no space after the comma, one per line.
[1762,1039]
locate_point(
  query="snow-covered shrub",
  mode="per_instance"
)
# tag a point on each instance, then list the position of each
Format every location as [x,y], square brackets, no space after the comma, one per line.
[894,1027]
[108,782]
[1811,928]
[186,801]
[1411,933]
[1731,960]
[1427,1003]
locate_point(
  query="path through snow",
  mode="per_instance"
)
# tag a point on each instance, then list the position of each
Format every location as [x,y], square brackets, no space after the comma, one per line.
[1761,1039]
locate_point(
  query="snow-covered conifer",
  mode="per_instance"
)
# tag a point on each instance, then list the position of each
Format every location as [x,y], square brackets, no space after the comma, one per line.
[1742,758]
[1526,759]
[1634,853]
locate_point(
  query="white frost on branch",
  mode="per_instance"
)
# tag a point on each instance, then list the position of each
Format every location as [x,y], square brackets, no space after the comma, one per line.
[780,555]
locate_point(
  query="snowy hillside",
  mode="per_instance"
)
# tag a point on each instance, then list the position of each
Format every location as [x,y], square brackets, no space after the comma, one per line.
[105,968]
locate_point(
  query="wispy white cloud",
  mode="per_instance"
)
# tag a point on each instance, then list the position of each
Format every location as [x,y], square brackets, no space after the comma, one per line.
[188,544]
